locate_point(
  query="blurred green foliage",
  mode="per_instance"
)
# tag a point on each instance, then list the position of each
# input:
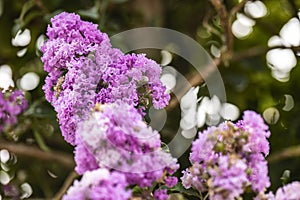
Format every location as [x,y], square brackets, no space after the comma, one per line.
[248,80]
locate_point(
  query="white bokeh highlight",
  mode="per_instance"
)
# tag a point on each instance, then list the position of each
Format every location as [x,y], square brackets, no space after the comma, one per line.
[4,156]
[6,80]
[281,62]
[22,38]
[166,58]
[271,115]
[27,190]
[290,33]
[168,78]
[240,30]
[195,113]
[29,81]
[255,9]
[288,103]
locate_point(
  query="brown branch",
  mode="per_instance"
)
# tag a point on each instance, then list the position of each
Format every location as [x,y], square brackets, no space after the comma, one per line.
[68,182]
[40,5]
[222,12]
[236,9]
[257,51]
[227,53]
[194,80]
[289,152]
[34,152]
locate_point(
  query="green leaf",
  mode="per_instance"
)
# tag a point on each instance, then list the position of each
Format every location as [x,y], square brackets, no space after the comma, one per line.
[137,190]
[189,192]
[90,13]
[285,176]
[165,147]
[40,141]
[20,22]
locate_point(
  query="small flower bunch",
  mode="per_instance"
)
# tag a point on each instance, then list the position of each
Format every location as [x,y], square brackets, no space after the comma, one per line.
[99,184]
[229,159]
[12,103]
[116,137]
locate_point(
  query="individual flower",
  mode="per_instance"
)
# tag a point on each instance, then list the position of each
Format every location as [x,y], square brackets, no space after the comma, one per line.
[99,184]
[160,194]
[119,139]
[229,158]
[171,181]
[11,105]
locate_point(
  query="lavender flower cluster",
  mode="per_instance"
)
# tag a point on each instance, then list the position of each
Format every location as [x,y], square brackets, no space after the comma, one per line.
[12,103]
[228,159]
[100,95]
[99,184]
[116,137]
[84,70]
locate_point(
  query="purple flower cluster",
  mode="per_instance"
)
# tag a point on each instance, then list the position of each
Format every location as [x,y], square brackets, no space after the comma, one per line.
[117,138]
[84,70]
[70,39]
[229,158]
[99,184]
[11,105]
[100,95]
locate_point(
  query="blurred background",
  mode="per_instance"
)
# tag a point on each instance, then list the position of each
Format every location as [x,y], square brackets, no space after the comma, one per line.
[255,44]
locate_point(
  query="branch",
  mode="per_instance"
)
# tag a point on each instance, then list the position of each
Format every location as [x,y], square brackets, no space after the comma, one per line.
[222,12]
[194,80]
[68,182]
[34,152]
[259,50]
[235,10]
[40,5]
[289,152]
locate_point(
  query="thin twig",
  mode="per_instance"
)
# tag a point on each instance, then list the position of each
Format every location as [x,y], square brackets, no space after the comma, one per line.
[69,180]
[235,10]
[289,152]
[222,12]
[257,51]
[40,4]
[34,152]
[194,80]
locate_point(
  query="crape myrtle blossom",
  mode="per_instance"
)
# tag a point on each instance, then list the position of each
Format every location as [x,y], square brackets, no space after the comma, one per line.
[70,39]
[99,184]
[118,138]
[230,158]
[78,90]
[84,70]
[12,103]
